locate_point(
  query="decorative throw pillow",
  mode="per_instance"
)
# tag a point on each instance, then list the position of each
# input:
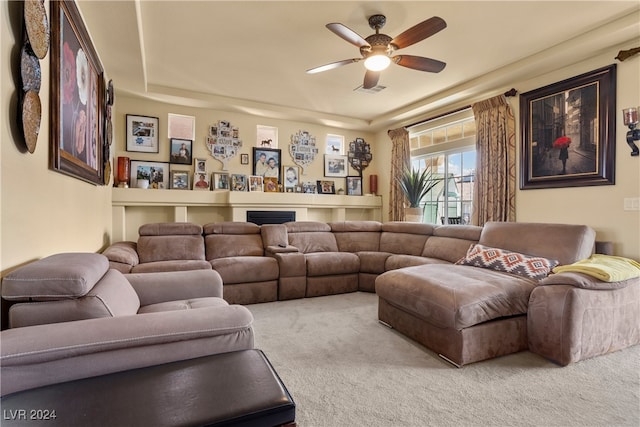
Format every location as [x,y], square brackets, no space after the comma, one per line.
[510,262]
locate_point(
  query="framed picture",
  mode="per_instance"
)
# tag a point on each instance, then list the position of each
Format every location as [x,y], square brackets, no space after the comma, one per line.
[156,174]
[291,177]
[335,144]
[310,187]
[77,97]
[179,180]
[244,159]
[180,151]
[267,136]
[142,134]
[326,187]
[220,181]
[568,132]
[181,126]
[200,181]
[239,182]
[335,165]
[200,165]
[266,162]
[270,185]
[354,186]
[255,183]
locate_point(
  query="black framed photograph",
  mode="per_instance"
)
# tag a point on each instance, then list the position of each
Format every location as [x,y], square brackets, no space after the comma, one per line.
[326,187]
[267,162]
[220,181]
[244,159]
[180,151]
[77,97]
[335,165]
[200,181]
[354,186]
[142,134]
[568,132]
[179,180]
[153,175]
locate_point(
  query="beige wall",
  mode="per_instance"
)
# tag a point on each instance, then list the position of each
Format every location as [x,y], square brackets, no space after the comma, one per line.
[42,211]
[600,207]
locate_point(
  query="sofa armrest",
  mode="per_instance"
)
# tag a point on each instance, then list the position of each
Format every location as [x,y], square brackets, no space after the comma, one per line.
[585,281]
[272,250]
[39,355]
[153,288]
[123,253]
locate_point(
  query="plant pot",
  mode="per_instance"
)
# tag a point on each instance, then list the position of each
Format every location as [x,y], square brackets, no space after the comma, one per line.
[413,214]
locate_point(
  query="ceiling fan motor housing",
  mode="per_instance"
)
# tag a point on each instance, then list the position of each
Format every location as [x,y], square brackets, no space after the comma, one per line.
[378,44]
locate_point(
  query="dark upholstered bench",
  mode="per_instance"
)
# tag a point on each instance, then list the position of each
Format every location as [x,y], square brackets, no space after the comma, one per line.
[229,389]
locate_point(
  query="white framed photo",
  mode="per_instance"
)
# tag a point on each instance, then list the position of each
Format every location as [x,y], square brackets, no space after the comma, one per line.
[255,183]
[267,136]
[201,181]
[200,165]
[335,144]
[220,181]
[335,165]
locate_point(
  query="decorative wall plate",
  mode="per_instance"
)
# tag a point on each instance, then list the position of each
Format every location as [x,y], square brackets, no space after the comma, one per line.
[37,24]
[30,70]
[31,116]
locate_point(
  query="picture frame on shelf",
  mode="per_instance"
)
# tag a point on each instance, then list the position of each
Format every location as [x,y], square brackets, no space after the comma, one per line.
[270,184]
[354,186]
[220,181]
[267,162]
[201,181]
[291,177]
[155,173]
[179,180]
[568,132]
[335,165]
[239,182]
[142,134]
[310,187]
[200,165]
[326,187]
[180,151]
[255,183]
[78,108]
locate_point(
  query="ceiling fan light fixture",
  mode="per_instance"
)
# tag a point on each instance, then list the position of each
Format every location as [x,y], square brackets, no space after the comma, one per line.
[377,62]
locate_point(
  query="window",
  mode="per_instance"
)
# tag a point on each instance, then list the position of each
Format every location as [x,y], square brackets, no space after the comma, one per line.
[447,146]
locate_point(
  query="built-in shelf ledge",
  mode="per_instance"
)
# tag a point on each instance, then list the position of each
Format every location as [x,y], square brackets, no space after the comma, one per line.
[133,207]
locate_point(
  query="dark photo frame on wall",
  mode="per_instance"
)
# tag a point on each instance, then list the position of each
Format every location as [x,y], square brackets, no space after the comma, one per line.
[267,162]
[568,132]
[77,97]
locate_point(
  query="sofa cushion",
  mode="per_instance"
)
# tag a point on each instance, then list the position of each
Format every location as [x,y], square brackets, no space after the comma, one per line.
[373,262]
[232,245]
[395,262]
[186,304]
[331,263]
[508,262]
[60,276]
[171,265]
[455,296]
[174,247]
[170,229]
[406,238]
[246,269]
[357,236]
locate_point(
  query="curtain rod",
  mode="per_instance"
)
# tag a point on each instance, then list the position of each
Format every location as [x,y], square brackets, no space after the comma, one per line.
[509,93]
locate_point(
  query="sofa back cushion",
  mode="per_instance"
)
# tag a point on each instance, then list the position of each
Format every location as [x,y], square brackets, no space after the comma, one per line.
[357,236]
[407,238]
[451,242]
[311,236]
[170,241]
[563,242]
[231,239]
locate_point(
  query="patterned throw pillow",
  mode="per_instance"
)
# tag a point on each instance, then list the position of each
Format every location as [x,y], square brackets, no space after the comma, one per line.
[510,262]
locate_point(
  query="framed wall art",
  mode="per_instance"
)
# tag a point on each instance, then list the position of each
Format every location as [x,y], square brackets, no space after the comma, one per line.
[291,178]
[155,173]
[239,182]
[271,185]
[200,165]
[142,134]
[244,159]
[354,186]
[77,97]
[326,187]
[200,181]
[568,132]
[220,181]
[266,136]
[181,150]
[179,180]
[335,165]
[266,162]
[181,126]
[255,183]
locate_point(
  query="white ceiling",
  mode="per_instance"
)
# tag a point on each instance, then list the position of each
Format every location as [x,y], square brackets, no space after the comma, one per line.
[251,56]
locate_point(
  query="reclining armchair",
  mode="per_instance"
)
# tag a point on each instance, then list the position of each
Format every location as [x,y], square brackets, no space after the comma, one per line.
[72,317]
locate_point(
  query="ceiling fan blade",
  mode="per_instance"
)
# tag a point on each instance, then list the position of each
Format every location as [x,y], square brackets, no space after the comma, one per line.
[419,32]
[419,63]
[371,79]
[347,34]
[332,65]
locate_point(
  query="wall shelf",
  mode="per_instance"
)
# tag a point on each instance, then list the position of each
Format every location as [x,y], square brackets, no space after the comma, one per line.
[132,207]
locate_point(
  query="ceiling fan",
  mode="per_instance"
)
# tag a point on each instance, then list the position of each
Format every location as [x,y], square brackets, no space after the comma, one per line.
[377,49]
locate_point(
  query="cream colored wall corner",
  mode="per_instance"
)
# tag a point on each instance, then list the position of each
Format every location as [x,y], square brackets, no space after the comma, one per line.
[42,212]
[600,207]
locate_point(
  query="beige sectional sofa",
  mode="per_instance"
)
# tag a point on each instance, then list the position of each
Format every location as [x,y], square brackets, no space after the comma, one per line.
[465,313]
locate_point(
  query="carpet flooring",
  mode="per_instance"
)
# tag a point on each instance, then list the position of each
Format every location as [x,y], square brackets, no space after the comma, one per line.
[343,368]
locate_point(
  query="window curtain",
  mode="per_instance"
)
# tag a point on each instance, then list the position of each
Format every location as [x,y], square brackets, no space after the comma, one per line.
[494,196]
[400,159]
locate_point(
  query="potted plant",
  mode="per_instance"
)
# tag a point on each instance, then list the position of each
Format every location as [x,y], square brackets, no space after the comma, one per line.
[415,184]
